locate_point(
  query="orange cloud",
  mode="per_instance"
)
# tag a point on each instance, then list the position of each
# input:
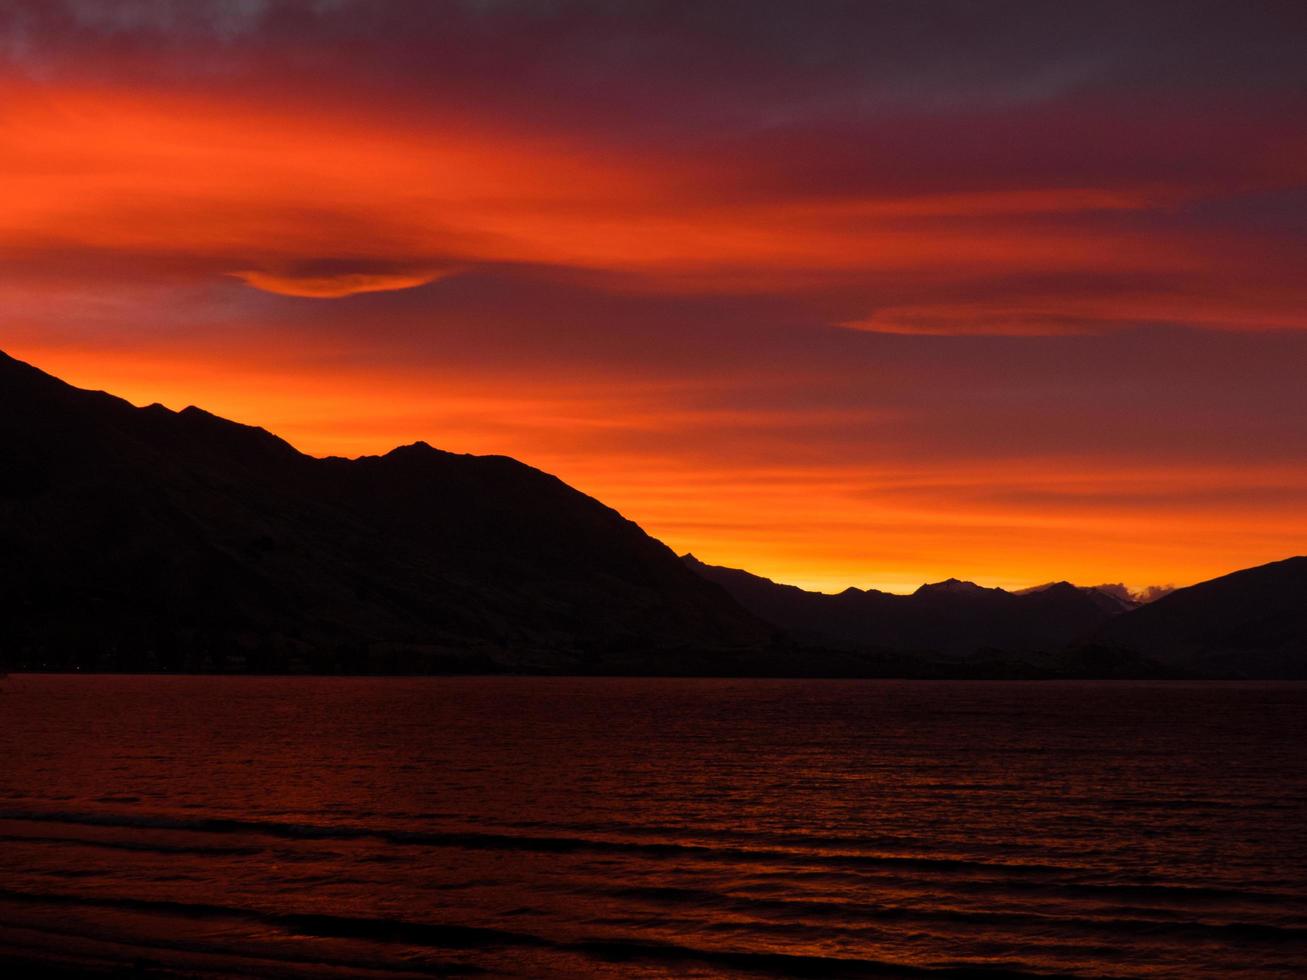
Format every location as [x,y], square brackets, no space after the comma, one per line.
[1069,313]
[224,184]
[336,286]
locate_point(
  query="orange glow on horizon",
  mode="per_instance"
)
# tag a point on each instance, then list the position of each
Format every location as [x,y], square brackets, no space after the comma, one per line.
[820,527]
[831,361]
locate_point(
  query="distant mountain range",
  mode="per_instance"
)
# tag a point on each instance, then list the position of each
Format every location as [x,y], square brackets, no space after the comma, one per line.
[950,617]
[141,539]
[1252,623]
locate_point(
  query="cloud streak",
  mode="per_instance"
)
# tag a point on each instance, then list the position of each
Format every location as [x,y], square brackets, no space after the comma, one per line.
[337,285]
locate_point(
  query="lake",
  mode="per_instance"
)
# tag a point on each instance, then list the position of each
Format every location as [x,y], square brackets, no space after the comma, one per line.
[632,827]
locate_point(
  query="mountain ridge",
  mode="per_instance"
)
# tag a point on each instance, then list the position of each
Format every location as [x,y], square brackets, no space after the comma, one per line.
[952,617]
[1249,623]
[146,539]
[180,540]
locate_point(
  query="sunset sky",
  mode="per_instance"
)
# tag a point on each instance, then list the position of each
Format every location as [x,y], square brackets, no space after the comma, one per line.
[844,293]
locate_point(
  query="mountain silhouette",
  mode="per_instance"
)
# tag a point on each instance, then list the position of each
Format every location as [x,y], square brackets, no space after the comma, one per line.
[952,618]
[147,539]
[1113,599]
[1251,623]
[142,539]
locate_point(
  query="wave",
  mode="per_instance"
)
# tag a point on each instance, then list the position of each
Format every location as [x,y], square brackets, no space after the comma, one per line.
[481,840]
[461,937]
[1082,922]
[965,874]
[150,847]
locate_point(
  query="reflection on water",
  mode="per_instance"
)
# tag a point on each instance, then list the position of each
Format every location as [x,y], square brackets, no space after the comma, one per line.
[597,827]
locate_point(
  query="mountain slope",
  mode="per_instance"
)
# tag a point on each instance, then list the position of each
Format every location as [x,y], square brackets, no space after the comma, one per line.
[1251,623]
[950,618]
[147,539]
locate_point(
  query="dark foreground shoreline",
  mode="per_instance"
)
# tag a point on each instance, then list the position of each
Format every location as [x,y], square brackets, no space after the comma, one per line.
[796,664]
[942,676]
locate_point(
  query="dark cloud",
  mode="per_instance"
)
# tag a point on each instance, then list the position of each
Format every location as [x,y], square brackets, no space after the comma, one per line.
[756,62]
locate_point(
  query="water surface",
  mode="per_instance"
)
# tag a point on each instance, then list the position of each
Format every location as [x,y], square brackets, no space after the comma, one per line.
[632,827]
